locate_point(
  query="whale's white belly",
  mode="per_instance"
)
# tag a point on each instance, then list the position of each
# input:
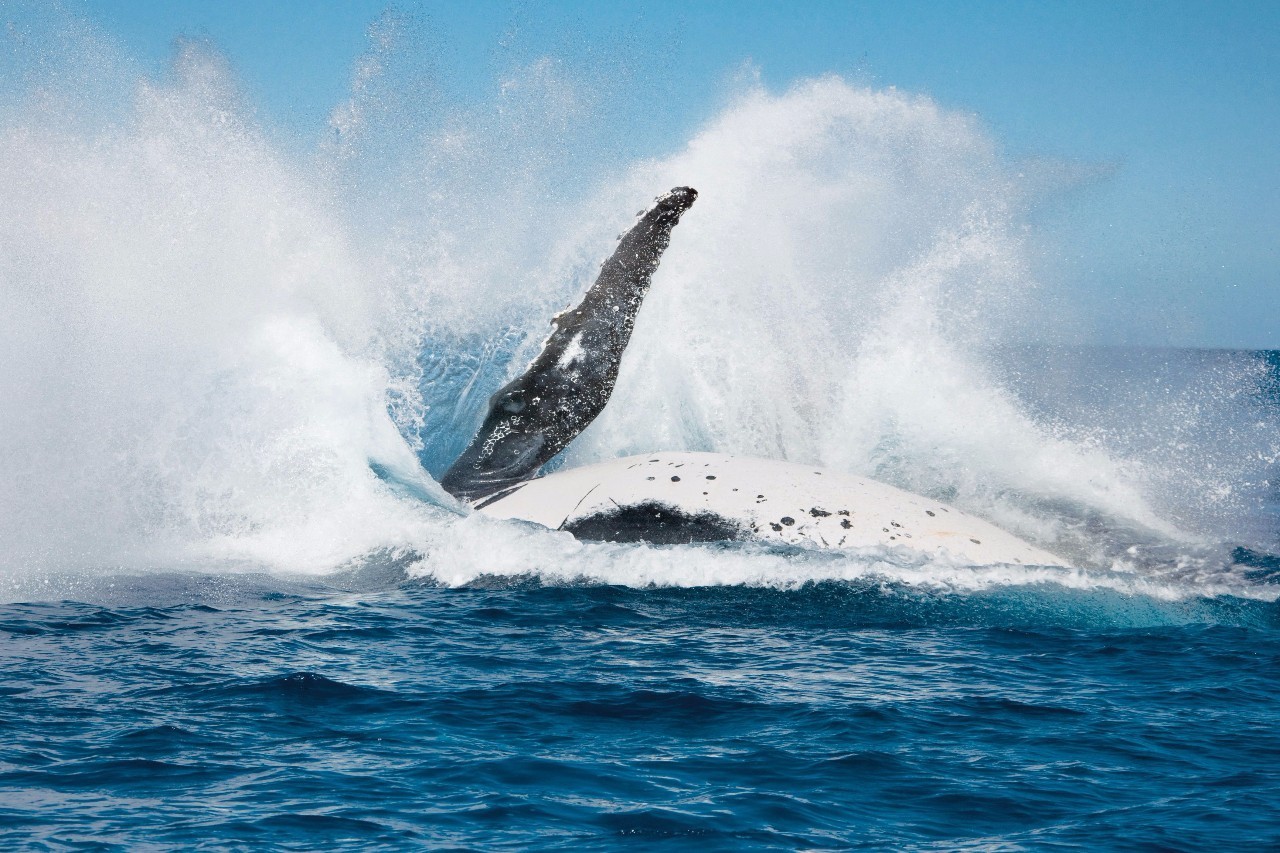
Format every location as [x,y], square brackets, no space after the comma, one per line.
[677,496]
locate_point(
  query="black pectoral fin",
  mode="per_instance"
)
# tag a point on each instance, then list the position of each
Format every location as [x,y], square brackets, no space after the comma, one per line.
[503,452]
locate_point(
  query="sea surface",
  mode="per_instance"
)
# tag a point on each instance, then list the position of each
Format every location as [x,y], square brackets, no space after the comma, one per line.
[240,713]
[238,612]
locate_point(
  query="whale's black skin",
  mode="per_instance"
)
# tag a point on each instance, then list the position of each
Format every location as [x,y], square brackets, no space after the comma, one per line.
[536,415]
[656,523]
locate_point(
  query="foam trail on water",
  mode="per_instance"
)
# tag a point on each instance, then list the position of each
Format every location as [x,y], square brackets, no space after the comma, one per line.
[523,552]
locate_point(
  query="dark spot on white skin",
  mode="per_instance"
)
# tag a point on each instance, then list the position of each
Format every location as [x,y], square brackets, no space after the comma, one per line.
[787,520]
[975,541]
[818,513]
[885,529]
[929,512]
[648,478]
[843,512]
[846,523]
[711,476]
[777,527]
[735,490]
[675,479]
[655,523]
[894,524]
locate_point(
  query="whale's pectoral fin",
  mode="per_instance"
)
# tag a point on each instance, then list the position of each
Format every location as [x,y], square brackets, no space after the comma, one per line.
[536,415]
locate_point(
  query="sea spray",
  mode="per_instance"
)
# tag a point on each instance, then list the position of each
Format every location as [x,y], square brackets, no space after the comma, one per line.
[835,303]
[222,352]
[193,368]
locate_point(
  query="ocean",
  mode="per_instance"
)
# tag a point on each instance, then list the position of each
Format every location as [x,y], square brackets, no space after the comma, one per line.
[238,712]
[238,612]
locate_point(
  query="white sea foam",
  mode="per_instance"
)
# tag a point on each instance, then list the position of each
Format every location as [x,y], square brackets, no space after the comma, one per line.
[482,550]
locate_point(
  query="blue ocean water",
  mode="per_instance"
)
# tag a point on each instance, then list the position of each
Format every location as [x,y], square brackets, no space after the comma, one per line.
[235,713]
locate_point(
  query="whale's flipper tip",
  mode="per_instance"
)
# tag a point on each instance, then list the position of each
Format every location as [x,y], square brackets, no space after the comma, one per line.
[679,199]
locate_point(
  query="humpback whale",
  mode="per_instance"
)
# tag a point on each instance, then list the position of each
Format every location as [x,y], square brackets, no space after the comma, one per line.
[679,497]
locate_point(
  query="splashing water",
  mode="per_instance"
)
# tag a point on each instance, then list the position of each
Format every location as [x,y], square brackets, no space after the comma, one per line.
[220,352]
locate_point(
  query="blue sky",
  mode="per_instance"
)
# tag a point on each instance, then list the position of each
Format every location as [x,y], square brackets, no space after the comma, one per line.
[1177,105]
